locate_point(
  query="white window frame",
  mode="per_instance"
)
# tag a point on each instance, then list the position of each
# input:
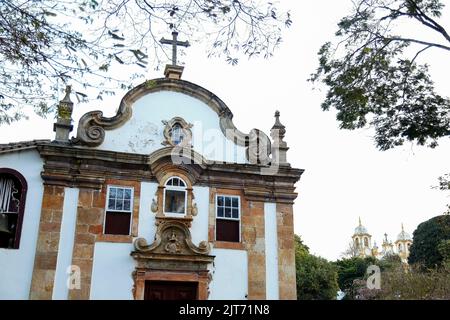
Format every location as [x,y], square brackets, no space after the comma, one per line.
[224,218]
[175,188]
[108,210]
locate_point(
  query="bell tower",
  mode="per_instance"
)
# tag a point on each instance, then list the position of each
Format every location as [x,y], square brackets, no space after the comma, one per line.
[362,241]
[403,245]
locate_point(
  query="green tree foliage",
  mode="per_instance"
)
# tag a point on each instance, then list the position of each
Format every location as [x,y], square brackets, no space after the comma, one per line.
[45,43]
[444,250]
[402,284]
[390,262]
[374,77]
[316,277]
[429,242]
[444,185]
[350,270]
[300,248]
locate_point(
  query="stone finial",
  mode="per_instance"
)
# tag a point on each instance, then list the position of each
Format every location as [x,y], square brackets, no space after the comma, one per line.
[278,125]
[63,125]
[279,147]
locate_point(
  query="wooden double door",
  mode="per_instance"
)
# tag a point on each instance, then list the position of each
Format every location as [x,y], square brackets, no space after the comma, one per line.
[170,290]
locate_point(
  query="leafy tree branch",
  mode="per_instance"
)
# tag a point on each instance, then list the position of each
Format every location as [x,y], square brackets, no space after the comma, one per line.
[46,43]
[371,81]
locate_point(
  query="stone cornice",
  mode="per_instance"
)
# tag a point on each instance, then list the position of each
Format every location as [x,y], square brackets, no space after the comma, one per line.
[84,167]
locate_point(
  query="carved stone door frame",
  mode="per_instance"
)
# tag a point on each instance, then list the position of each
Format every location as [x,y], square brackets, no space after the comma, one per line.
[172,257]
[142,275]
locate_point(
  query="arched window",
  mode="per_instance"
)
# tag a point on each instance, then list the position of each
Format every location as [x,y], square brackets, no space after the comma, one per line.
[366,242]
[357,242]
[13,189]
[400,247]
[175,196]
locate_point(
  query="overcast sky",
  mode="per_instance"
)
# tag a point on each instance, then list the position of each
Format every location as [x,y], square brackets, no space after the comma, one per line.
[345,175]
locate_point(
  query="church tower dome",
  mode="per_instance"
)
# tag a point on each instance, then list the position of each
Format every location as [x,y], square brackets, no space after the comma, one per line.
[403,235]
[403,244]
[362,240]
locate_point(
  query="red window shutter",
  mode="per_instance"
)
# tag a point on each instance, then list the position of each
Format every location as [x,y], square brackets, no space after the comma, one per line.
[117,223]
[227,230]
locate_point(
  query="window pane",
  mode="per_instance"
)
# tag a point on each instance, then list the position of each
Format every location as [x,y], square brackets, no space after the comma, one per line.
[112,192]
[235,202]
[111,204]
[228,201]
[126,205]
[177,134]
[128,194]
[175,201]
[119,193]
[119,205]
[235,213]
[220,212]
[220,201]
[227,212]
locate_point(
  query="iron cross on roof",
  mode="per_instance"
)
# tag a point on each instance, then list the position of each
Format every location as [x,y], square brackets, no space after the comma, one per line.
[174,42]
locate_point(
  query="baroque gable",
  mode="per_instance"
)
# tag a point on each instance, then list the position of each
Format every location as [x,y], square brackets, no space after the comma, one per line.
[141,124]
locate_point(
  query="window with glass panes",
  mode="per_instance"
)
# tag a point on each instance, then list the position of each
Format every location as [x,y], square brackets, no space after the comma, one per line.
[175,196]
[228,211]
[119,208]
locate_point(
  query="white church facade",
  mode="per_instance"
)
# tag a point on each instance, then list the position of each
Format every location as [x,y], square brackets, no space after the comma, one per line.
[164,200]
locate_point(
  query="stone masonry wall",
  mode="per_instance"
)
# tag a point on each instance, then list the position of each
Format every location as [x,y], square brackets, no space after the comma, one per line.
[47,244]
[286,252]
[89,229]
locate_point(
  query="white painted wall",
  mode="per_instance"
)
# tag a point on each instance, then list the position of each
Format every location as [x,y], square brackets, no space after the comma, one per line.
[113,260]
[66,241]
[199,229]
[16,266]
[271,245]
[147,227]
[230,275]
[111,273]
[143,132]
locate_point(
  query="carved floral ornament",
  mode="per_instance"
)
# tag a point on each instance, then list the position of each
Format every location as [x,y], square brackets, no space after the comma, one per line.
[172,237]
